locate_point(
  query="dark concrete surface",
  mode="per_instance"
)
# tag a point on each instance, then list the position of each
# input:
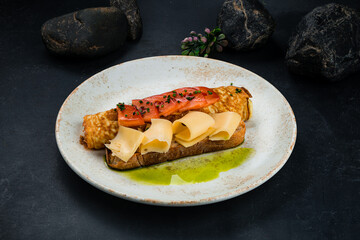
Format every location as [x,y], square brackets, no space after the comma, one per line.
[314,196]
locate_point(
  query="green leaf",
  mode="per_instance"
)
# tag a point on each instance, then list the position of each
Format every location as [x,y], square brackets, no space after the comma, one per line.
[221,37]
[196,52]
[223,43]
[216,31]
[208,49]
[186,52]
[219,48]
[183,47]
[191,53]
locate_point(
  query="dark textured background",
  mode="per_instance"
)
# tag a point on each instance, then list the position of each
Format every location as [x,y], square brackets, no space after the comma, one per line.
[314,196]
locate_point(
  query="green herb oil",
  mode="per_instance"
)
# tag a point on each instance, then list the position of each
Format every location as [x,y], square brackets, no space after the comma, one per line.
[190,170]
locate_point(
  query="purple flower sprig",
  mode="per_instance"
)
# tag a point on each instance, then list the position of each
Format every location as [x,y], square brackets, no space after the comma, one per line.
[199,45]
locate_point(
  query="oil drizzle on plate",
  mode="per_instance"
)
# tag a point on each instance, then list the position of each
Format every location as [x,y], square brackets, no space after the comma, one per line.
[195,169]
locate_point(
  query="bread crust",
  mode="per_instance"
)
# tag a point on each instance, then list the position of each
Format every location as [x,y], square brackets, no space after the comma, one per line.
[176,151]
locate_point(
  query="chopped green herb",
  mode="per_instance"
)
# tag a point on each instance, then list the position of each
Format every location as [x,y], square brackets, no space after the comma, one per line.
[178,101]
[115,109]
[148,109]
[151,104]
[164,96]
[181,94]
[185,90]
[133,113]
[190,98]
[210,93]
[140,101]
[147,102]
[137,113]
[174,94]
[230,94]
[125,115]
[162,105]
[174,91]
[157,106]
[121,106]
[231,84]
[238,90]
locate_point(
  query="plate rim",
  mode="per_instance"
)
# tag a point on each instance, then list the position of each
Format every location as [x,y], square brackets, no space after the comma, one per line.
[203,201]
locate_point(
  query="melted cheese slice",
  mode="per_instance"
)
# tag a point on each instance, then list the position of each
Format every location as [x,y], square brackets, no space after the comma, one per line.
[126,142]
[195,140]
[192,125]
[158,137]
[225,125]
[250,106]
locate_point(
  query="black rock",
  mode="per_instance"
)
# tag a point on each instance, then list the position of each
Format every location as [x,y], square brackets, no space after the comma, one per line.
[326,43]
[246,24]
[89,32]
[132,12]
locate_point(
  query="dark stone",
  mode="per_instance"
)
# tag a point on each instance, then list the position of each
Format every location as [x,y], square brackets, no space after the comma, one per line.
[132,12]
[246,24]
[89,32]
[326,43]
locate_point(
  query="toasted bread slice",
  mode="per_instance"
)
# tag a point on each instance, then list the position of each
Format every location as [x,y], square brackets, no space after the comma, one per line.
[176,151]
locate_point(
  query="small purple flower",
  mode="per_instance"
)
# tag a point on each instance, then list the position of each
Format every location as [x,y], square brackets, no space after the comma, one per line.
[197,44]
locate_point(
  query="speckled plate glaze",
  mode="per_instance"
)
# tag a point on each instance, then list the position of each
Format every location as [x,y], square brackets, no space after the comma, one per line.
[271,132]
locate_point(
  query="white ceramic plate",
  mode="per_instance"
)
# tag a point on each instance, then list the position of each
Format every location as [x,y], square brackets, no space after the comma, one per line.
[271,131]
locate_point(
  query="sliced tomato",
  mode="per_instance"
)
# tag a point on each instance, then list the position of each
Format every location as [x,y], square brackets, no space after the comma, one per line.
[129,116]
[210,96]
[147,109]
